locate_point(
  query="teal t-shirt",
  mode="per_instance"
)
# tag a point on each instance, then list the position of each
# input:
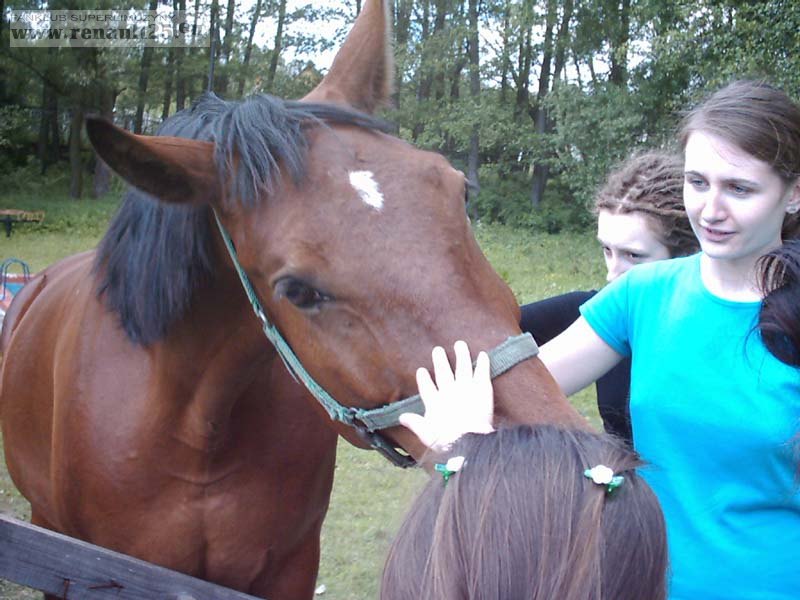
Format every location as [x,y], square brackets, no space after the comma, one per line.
[717,417]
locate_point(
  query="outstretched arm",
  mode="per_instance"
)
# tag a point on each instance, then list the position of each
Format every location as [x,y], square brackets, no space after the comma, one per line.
[461,400]
[578,357]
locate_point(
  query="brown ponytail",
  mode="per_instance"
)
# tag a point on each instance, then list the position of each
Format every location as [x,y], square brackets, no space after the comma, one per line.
[520,520]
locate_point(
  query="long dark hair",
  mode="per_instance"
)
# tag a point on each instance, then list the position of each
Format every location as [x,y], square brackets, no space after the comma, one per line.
[779,319]
[521,521]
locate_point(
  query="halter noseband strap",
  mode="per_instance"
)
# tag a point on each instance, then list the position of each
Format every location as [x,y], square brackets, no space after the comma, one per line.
[367,422]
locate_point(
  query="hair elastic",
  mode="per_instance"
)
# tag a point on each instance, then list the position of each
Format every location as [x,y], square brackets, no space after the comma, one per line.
[603,475]
[451,467]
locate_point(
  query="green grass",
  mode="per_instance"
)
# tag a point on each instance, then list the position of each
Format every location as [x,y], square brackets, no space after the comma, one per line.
[370,496]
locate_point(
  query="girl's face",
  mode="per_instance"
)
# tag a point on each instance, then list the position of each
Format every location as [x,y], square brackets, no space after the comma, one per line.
[736,203]
[628,239]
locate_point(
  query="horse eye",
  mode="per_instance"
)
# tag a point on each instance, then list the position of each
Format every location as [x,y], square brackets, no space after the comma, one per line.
[299,293]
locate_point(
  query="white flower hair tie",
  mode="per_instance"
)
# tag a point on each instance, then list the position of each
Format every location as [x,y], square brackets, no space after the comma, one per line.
[603,475]
[451,467]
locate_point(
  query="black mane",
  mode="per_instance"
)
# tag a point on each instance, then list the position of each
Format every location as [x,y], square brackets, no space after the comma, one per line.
[154,255]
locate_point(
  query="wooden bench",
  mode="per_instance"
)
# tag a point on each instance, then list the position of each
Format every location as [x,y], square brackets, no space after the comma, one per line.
[9,216]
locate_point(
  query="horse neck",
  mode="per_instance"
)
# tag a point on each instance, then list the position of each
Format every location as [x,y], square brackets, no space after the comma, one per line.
[212,359]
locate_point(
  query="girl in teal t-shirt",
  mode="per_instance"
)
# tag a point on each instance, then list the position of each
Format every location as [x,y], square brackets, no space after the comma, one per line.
[715,346]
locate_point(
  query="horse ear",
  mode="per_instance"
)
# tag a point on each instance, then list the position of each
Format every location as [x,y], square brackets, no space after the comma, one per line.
[362,74]
[171,169]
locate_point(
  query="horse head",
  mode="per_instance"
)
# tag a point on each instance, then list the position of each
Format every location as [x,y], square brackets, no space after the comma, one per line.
[357,244]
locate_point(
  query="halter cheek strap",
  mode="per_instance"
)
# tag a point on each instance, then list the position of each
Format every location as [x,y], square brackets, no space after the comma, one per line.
[367,422]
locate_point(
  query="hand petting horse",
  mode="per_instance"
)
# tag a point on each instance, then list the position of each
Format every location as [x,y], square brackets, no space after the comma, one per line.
[144,410]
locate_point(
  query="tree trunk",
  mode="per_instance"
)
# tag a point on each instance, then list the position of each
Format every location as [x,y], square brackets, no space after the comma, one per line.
[44,128]
[227,44]
[438,27]
[75,165]
[277,47]
[213,48]
[540,169]
[506,54]
[144,77]
[461,56]
[524,61]
[101,182]
[577,70]
[455,77]
[473,161]
[248,49]
[562,40]
[402,26]
[169,75]
[3,73]
[424,78]
[426,71]
[47,147]
[180,79]
[55,130]
[3,48]
[194,78]
[620,34]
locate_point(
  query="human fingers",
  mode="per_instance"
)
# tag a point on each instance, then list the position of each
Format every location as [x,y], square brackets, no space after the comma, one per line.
[420,427]
[484,392]
[441,369]
[427,389]
[482,373]
[463,370]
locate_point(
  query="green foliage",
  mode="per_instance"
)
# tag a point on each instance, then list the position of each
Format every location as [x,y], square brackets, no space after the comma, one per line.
[505,198]
[719,41]
[673,52]
[594,132]
[16,138]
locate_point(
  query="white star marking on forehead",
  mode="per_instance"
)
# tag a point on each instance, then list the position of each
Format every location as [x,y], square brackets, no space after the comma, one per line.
[367,188]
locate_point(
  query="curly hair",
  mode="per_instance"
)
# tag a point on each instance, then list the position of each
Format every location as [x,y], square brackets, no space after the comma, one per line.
[651,183]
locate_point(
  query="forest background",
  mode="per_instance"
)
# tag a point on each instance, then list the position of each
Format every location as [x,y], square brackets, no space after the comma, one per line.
[535,100]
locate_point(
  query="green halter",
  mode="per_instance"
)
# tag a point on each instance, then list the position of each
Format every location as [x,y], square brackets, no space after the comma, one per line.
[367,422]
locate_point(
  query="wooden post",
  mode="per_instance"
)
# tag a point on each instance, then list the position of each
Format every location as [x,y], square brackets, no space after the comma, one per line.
[69,568]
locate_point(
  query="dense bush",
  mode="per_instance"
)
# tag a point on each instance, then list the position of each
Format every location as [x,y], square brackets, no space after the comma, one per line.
[505,198]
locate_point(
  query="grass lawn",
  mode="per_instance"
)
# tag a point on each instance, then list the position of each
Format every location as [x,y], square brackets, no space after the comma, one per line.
[370,496]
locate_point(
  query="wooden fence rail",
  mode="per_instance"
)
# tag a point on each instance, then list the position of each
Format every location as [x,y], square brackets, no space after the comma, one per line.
[72,569]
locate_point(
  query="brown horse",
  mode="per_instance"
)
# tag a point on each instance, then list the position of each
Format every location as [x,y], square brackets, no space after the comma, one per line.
[142,408]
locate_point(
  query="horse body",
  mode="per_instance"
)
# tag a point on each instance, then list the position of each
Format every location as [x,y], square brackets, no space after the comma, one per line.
[187,443]
[182,462]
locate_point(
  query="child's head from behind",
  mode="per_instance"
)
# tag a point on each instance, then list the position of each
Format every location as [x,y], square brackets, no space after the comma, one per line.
[520,520]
